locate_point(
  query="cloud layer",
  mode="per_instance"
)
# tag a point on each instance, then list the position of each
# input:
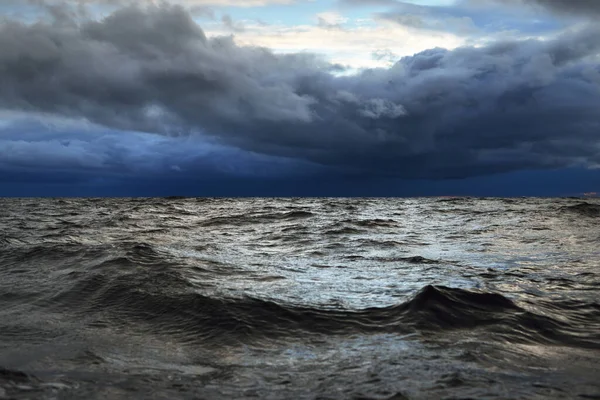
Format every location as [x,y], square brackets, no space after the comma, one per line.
[437,114]
[568,6]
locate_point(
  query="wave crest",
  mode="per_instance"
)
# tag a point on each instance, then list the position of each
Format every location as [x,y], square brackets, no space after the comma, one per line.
[168,303]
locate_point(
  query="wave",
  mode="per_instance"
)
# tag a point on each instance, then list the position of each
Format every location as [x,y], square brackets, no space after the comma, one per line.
[240,219]
[65,253]
[418,260]
[372,223]
[7,240]
[14,376]
[344,231]
[587,209]
[134,282]
[163,301]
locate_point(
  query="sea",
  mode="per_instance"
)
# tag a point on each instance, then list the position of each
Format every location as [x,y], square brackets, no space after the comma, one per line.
[300,298]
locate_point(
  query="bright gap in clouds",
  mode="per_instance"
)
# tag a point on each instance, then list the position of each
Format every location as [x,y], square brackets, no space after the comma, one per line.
[360,34]
[351,37]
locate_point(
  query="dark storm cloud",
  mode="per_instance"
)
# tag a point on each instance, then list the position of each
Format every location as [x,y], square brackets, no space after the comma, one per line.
[582,7]
[437,114]
[47,146]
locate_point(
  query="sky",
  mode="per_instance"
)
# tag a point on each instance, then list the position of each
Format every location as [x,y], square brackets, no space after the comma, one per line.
[299,97]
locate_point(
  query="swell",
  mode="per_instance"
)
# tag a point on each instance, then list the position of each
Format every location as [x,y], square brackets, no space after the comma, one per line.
[586,209]
[66,254]
[164,302]
[244,219]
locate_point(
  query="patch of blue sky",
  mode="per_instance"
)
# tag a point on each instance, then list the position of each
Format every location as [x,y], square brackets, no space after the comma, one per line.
[301,13]
[23,11]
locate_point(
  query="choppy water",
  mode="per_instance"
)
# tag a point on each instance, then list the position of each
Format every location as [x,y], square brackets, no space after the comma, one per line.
[300,298]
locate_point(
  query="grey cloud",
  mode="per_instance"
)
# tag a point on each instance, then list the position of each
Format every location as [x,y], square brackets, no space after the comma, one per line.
[202,11]
[384,54]
[231,25]
[575,7]
[323,23]
[410,20]
[37,145]
[445,23]
[569,6]
[437,114]
[579,7]
[380,108]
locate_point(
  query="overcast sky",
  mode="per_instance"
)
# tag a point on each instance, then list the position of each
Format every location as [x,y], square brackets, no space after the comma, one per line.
[284,97]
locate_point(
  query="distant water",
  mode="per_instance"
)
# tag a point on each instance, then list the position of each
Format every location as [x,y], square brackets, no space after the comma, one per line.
[433,298]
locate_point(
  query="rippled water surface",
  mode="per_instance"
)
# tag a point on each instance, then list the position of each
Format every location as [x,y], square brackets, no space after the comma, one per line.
[300,298]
